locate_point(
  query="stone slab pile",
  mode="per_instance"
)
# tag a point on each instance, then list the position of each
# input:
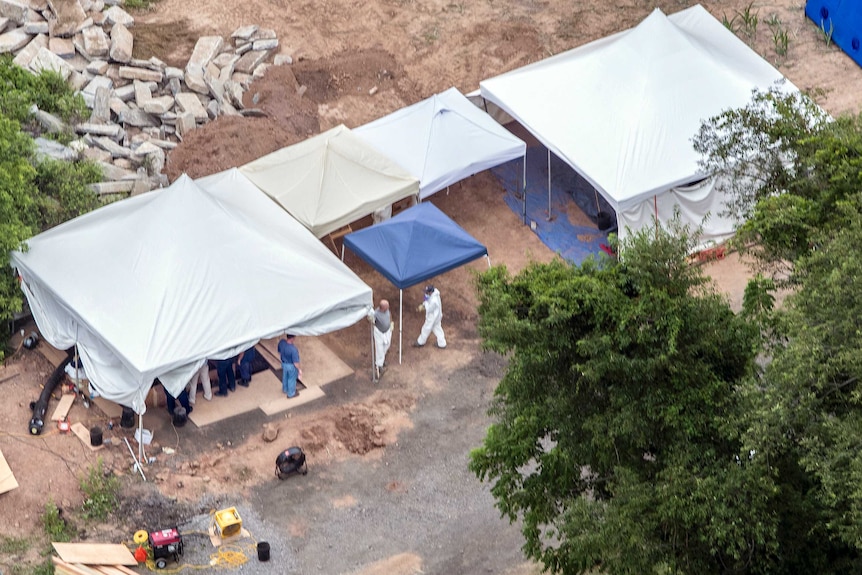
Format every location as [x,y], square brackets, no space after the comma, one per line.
[140,109]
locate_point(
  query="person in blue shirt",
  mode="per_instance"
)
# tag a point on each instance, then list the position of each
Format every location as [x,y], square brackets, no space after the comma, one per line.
[290,367]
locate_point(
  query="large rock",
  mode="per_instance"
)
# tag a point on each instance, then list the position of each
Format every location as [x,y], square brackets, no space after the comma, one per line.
[108,188]
[121,44]
[54,150]
[47,60]
[14,40]
[15,11]
[95,42]
[142,92]
[113,173]
[111,130]
[195,82]
[68,15]
[35,24]
[158,106]
[116,15]
[115,149]
[131,73]
[62,47]
[101,106]
[249,61]
[49,122]
[185,123]
[5,23]
[188,102]
[244,33]
[96,83]
[137,117]
[24,57]
[206,48]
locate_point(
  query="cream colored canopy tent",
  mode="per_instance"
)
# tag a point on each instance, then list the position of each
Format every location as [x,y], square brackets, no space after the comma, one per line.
[330,180]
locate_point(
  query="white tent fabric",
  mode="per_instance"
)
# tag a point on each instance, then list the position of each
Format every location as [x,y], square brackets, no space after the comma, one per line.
[151,286]
[330,180]
[442,140]
[622,111]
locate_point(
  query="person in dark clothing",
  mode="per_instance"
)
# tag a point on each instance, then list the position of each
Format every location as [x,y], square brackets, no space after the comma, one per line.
[179,407]
[243,370]
[226,377]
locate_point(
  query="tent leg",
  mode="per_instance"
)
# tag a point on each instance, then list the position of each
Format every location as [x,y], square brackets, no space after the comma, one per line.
[141,437]
[524,184]
[342,251]
[373,354]
[400,322]
[549,185]
[487,257]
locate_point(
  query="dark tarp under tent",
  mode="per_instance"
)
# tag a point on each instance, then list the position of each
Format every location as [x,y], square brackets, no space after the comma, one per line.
[417,244]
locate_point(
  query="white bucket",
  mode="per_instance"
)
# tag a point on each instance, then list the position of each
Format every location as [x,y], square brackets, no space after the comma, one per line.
[148,436]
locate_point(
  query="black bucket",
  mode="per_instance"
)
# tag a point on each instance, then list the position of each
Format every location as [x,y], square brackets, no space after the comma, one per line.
[96,436]
[263,551]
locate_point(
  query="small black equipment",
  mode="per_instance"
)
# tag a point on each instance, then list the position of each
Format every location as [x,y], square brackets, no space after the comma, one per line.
[290,461]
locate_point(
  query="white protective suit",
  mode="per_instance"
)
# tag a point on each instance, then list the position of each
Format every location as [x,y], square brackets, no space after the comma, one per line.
[433,318]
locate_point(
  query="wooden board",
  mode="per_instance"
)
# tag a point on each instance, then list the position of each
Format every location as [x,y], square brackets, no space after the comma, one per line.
[84,435]
[7,478]
[109,408]
[95,553]
[243,400]
[281,403]
[273,360]
[52,354]
[320,365]
[63,407]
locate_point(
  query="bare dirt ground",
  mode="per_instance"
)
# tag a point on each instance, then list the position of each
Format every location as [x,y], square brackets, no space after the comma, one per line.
[388,490]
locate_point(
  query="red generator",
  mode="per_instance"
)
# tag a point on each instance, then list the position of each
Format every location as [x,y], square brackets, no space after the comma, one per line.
[166,544]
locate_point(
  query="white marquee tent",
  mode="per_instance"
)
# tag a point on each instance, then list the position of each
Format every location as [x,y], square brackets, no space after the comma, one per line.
[151,286]
[442,140]
[622,112]
[330,180]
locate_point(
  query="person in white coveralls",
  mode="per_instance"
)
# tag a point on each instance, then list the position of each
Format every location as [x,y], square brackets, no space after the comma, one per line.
[433,318]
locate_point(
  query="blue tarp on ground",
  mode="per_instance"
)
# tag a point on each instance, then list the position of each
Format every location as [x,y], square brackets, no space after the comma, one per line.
[417,244]
[571,231]
[841,22]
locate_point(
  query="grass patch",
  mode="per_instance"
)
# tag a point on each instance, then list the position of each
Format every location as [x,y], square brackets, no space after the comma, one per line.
[139,4]
[54,525]
[13,545]
[101,492]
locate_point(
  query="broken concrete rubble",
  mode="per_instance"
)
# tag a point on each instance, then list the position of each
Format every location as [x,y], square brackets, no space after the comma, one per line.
[140,108]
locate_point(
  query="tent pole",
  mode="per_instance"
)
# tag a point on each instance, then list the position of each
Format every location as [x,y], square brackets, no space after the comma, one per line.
[549,184]
[487,257]
[400,321]
[524,183]
[373,356]
[141,438]
[342,252]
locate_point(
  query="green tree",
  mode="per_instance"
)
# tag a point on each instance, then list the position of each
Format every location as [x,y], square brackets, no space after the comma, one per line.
[18,219]
[786,168]
[618,439]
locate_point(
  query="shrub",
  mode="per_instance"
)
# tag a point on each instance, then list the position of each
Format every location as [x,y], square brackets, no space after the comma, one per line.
[101,492]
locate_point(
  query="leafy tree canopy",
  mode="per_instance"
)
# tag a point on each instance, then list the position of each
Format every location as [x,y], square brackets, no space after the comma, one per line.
[618,438]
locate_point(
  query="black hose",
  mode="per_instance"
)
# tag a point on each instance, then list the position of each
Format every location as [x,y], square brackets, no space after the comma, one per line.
[41,406]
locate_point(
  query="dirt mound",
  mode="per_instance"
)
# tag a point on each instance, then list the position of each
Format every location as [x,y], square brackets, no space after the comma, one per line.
[232,141]
[350,72]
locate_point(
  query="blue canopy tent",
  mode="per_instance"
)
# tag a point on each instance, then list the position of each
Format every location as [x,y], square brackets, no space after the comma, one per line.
[417,244]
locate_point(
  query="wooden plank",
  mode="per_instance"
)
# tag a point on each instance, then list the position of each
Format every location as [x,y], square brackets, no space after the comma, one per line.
[320,365]
[108,570]
[95,553]
[63,407]
[273,360]
[65,568]
[86,569]
[7,478]
[108,407]
[84,435]
[52,354]
[281,403]
[124,570]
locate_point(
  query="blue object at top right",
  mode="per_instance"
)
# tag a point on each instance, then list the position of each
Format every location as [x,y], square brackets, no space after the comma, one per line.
[840,21]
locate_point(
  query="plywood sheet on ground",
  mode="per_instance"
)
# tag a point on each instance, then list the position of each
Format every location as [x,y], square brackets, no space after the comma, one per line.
[51,353]
[7,478]
[63,407]
[263,385]
[109,408]
[95,553]
[320,365]
[279,402]
[84,435]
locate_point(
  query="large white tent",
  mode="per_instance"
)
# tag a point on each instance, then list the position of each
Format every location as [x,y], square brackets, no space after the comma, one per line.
[622,111]
[331,180]
[442,140]
[151,286]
